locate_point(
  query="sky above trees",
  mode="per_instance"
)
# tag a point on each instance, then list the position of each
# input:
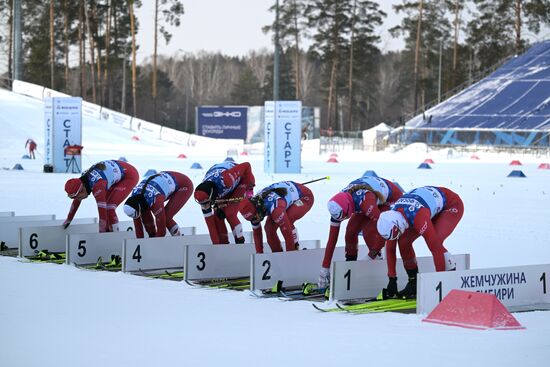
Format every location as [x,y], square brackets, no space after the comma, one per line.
[216,25]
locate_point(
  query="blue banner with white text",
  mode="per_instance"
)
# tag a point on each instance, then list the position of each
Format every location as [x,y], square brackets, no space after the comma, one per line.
[222,122]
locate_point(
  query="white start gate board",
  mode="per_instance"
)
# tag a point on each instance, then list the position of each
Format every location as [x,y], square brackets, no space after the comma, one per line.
[292,268]
[151,254]
[86,248]
[217,261]
[211,262]
[25,218]
[9,226]
[514,287]
[51,238]
[11,231]
[366,278]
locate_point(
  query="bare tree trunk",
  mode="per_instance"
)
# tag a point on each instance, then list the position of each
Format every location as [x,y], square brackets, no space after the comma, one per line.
[115,42]
[66,50]
[106,60]
[10,40]
[297,53]
[350,76]
[92,54]
[517,26]
[306,72]
[133,32]
[98,64]
[331,92]
[455,45]
[81,51]
[154,81]
[123,98]
[99,81]
[52,49]
[417,53]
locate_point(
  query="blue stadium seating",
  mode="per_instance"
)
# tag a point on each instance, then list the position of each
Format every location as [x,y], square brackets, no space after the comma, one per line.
[515,96]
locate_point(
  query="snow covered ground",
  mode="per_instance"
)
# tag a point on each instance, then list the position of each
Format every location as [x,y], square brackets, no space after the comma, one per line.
[57,315]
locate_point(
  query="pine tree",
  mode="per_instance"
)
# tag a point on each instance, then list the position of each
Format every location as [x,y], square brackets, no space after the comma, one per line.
[331,22]
[36,44]
[344,41]
[247,91]
[363,58]
[496,29]
[171,11]
[490,32]
[426,29]
[6,38]
[292,26]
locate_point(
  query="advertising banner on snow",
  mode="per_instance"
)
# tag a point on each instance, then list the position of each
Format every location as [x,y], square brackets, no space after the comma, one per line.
[288,132]
[116,118]
[63,134]
[91,110]
[222,122]
[283,128]
[269,137]
[48,133]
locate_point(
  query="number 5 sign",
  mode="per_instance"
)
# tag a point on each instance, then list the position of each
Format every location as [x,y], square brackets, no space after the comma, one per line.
[513,286]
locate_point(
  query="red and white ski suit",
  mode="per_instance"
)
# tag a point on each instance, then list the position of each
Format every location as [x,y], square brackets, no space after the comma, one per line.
[434,225]
[108,190]
[367,208]
[160,216]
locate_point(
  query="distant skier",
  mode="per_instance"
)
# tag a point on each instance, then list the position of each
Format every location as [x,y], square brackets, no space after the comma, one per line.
[361,201]
[430,212]
[283,203]
[146,203]
[31,145]
[230,182]
[110,182]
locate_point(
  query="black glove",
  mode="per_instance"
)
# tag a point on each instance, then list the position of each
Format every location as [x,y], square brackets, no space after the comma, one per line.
[239,240]
[220,213]
[351,257]
[410,289]
[373,254]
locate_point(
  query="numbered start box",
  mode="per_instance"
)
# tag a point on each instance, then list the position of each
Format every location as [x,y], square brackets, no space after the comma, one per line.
[51,238]
[519,287]
[86,248]
[159,254]
[365,279]
[217,261]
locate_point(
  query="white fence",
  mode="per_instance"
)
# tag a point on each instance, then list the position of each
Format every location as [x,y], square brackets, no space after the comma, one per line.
[143,127]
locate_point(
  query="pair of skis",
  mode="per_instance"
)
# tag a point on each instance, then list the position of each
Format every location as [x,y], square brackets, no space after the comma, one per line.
[115,264]
[307,291]
[5,250]
[235,284]
[45,256]
[372,305]
[165,274]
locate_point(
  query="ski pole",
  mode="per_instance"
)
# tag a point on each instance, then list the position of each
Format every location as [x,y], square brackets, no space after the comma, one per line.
[239,198]
[318,179]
